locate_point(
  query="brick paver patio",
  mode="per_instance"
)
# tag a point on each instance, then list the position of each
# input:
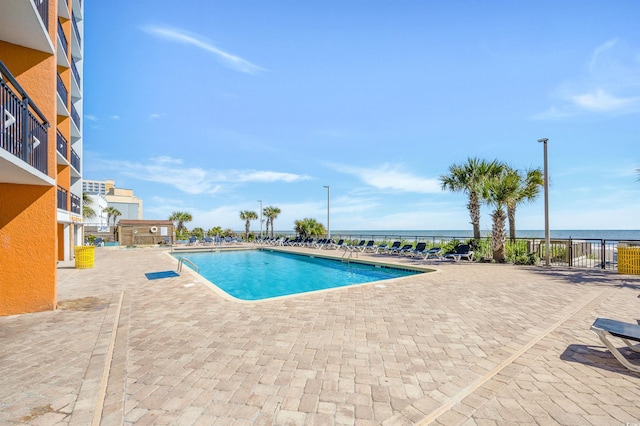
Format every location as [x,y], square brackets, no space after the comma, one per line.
[468,344]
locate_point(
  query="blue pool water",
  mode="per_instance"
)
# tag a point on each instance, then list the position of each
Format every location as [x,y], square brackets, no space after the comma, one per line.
[256,275]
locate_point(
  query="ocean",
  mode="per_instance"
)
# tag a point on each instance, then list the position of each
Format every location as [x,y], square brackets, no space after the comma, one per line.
[576,234]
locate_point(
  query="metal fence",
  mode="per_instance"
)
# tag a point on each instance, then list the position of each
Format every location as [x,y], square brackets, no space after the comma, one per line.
[575,253]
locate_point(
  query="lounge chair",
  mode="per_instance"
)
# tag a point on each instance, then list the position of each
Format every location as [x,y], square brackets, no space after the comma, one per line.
[193,241]
[368,247]
[394,246]
[402,250]
[433,253]
[462,252]
[98,242]
[356,247]
[604,328]
[419,250]
[335,246]
[376,249]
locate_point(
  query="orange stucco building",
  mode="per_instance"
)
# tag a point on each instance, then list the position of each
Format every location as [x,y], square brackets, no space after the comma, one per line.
[40,148]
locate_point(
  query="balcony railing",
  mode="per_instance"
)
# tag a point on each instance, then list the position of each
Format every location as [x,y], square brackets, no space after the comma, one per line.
[75,116]
[61,144]
[63,38]
[74,70]
[75,160]
[62,90]
[75,204]
[43,10]
[23,127]
[62,198]
[75,28]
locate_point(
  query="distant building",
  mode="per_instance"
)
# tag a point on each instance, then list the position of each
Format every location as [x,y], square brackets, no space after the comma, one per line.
[125,202]
[121,199]
[98,204]
[97,186]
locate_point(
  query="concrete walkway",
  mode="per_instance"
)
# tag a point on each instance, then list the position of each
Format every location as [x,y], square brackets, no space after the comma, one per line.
[468,344]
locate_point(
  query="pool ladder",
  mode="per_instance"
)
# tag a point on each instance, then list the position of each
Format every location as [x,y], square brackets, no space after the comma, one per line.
[346,258]
[183,260]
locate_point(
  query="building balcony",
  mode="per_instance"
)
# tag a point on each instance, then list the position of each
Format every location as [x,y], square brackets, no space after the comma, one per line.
[75,204]
[23,134]
[63,39]
[75,116]
[63,93]
[75,160]
[62,199]
[74,24]
[31,28]
[61,144]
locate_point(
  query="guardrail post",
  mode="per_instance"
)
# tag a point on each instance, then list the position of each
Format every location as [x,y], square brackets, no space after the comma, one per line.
[570,252]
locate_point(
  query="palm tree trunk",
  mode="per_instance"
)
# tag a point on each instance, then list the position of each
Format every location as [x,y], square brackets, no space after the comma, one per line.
[511,212]
[498,235]
[474,212]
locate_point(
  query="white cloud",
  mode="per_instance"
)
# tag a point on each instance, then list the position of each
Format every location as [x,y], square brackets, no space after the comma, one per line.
[192,180]
[115,117]
[91,117]
[156,116]
[231,61]
[391,177]
[267,176]
[600,100]
[609,83]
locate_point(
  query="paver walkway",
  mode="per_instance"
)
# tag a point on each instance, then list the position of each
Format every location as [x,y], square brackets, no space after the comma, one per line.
[468,344]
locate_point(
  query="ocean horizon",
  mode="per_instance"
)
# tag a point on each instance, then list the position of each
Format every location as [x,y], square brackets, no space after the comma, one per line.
[578,234]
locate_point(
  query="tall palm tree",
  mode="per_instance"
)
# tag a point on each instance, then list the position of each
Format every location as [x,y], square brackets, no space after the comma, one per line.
[247,216]
[179,219]
[528,190]
[87,211]
[308,227]
[271,213]
[500,191]
[115,213]
[469,178]
[109,211]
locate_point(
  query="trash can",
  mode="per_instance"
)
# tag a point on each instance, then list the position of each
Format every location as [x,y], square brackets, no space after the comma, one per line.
[84,257]
[628,258]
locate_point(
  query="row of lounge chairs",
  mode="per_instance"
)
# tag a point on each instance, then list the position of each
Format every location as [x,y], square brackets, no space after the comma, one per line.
[396,248]
[209,241]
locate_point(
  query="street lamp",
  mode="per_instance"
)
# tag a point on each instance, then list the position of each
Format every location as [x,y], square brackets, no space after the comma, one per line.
[260,201]
[547,241]
[328,210]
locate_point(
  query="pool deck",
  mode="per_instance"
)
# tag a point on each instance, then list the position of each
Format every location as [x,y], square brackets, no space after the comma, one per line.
[470,344]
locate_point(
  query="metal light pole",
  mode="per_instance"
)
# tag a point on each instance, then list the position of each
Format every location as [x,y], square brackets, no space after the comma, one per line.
[328,210]
[547,241]
[260,201]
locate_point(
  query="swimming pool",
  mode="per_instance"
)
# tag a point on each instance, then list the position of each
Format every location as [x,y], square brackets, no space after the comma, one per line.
[258,274]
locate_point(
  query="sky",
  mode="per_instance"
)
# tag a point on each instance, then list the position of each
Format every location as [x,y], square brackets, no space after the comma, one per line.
[217,107]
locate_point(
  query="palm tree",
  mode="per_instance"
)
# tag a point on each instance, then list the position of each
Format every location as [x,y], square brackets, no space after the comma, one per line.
[115,213]
[87,210]
[470,178]
[109,211]
[271,213]
[179,219]
[528,190]
[500,191]
[247,216]
[308,227]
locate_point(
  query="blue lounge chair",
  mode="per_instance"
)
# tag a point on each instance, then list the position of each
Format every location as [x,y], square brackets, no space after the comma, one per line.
[394,246]
[605,328]
[404,249]
[370,246]
[433,253]
[419,250]
[462,252]
[356,247]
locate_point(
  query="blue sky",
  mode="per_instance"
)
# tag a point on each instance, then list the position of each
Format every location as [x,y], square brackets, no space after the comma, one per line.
[210,106]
